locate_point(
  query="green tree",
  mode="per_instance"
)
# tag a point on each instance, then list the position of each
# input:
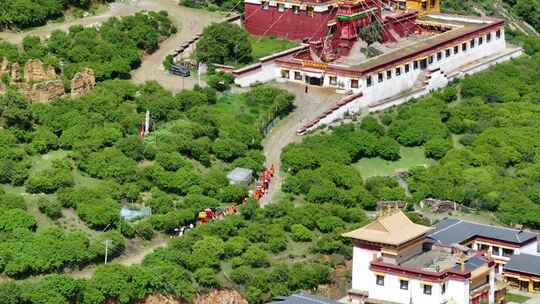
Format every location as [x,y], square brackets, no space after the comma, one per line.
[300,233]
[255,257]
[224,43]
[15,110]
[437,148]
[206,277]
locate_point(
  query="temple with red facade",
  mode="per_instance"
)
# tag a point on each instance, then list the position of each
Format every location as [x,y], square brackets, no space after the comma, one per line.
[380,53]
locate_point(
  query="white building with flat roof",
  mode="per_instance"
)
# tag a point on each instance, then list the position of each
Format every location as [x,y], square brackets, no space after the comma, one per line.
[395,262]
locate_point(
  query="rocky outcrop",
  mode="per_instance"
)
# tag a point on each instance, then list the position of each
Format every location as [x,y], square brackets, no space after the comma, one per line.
[15,72]
[34,71]
[160,299]
[83,82]
[224,296]
[41,83]
[48,90]
[4,67]
[51,73]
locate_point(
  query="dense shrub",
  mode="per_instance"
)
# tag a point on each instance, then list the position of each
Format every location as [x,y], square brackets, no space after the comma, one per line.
[144,230]
[50,180]
[51,208]
[224,43]
[300,233]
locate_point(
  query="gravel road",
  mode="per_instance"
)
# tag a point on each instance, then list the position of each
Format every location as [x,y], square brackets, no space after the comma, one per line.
[308,107]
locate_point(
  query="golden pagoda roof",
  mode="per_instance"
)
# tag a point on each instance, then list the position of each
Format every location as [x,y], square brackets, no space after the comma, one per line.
[390,229]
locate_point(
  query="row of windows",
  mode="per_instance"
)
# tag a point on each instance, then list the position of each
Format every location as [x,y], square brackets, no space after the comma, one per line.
[295,8]
[495,250]
[423,63]
[404,285]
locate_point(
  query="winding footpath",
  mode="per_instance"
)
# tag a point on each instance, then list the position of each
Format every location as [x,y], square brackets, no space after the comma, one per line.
[308,107]
[190,22]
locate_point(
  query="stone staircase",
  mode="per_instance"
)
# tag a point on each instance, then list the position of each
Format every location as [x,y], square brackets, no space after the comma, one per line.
[329,113]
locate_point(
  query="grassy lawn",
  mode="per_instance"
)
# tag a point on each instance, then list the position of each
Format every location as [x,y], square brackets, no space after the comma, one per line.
[42,162]
[410,157]
[269,45]
[512,297]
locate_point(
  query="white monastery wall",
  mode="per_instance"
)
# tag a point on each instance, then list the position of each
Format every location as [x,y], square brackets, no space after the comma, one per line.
[531,248]
[417,83]
[361,275]
[266,72]
[363,279]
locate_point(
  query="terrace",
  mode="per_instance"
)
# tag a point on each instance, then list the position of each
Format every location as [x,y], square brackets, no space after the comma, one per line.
[434,260]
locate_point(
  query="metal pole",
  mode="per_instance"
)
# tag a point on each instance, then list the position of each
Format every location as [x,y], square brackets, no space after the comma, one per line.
[199,73]
[107,244]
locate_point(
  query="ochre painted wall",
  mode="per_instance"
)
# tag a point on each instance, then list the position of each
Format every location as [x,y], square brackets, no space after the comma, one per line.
[417,6]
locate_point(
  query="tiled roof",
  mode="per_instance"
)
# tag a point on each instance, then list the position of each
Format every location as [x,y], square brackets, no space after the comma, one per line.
[394,229]
[302,299]
[454,231]
[472,264]
[525,263]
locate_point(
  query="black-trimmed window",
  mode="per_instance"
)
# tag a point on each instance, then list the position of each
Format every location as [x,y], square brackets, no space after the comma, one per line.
[448,52]
[265,5]
[415,64]
[281,7]
[480,40]
[354,83]
[404,284]
[427,289]
[285,74]
[464,47]
[507,252]
[456,49]
[398,71]
[472,44]
[389,74]
[430,59]
[402,5]
[380,77]
[443,288]
[498,34]
[488,37]
[332,80]
[297,76]
[296,9]
[424,5]
[309,11]
[439,56]
[407,68]
[379,280]
[369,81]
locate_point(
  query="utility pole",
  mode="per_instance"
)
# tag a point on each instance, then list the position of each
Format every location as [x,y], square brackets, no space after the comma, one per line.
[199,73]
[147,122]
[107,244]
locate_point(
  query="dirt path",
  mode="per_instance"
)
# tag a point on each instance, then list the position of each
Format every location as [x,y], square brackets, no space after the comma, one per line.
[189,23]
[116,9]
[308,107]
[135,252]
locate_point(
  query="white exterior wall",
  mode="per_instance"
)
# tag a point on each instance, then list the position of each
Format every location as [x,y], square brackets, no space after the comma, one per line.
[398,84]
[363,279]
[361,274]
[265,73]
[531,248]
[406,81]
[458,291]
[400,89]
